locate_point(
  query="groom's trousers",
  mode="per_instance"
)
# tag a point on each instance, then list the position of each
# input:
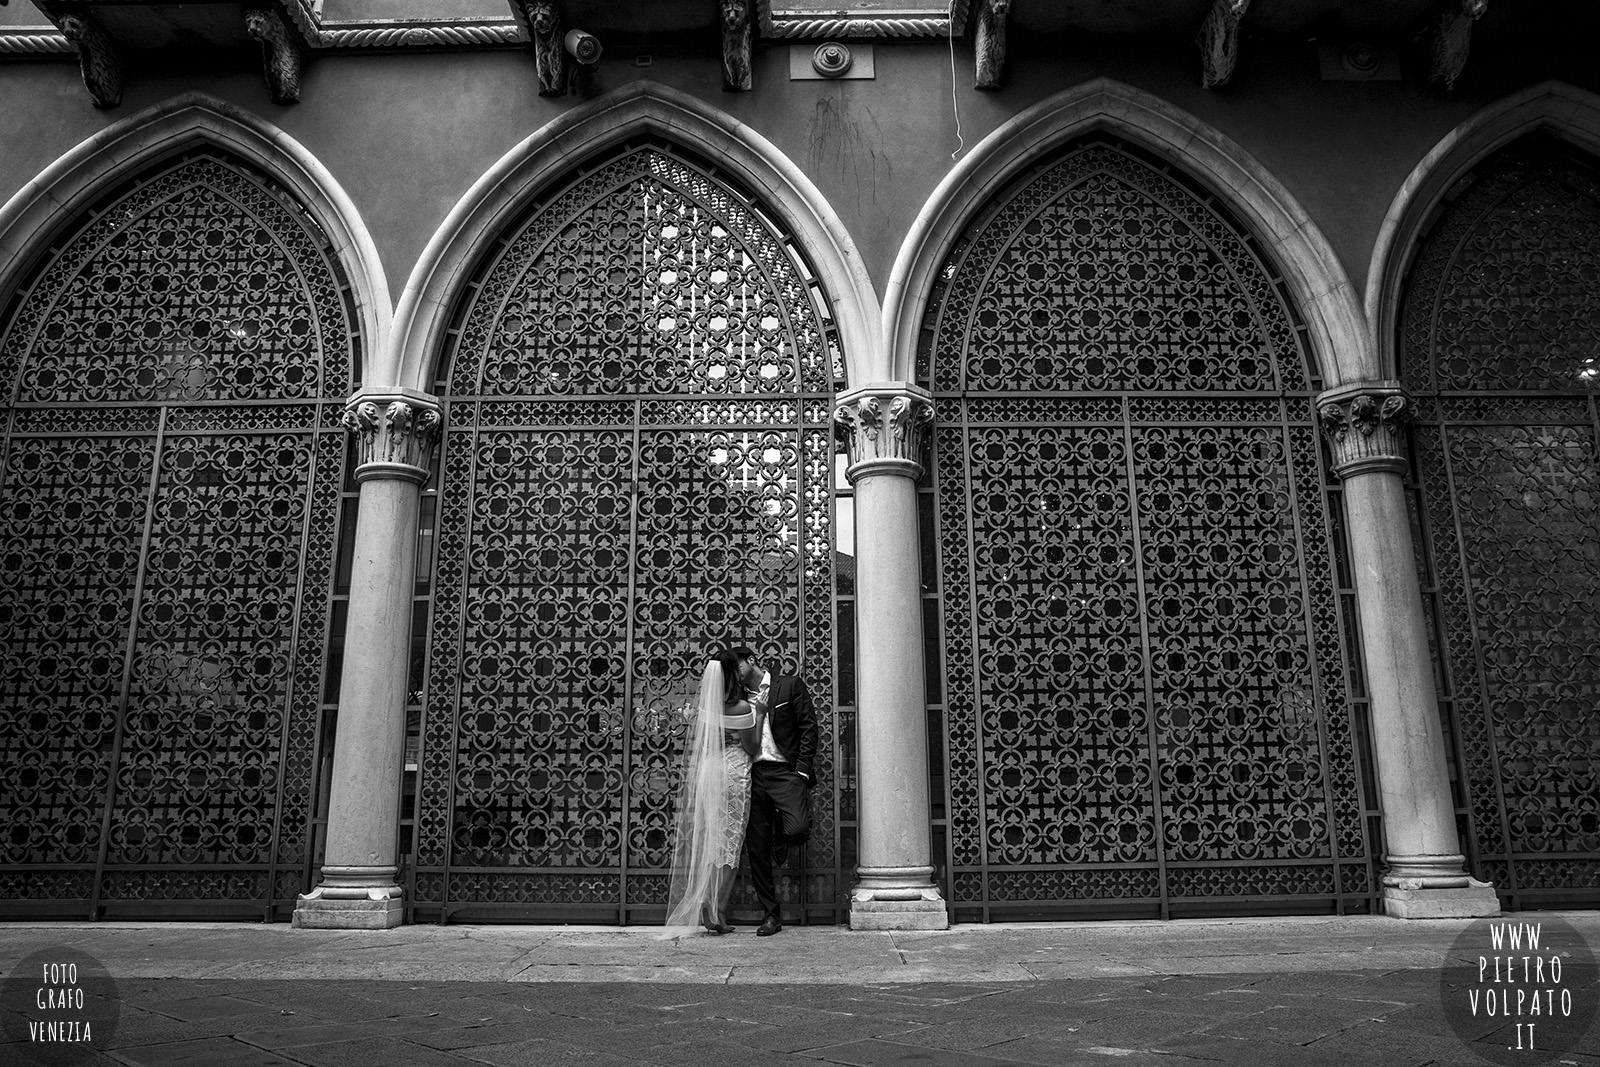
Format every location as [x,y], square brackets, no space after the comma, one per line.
[780,811]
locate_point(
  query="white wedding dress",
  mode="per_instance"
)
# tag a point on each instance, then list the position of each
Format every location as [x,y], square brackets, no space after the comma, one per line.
[713,807]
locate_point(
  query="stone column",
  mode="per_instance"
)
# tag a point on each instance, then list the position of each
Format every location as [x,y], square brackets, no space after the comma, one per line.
[1426,875]
[359,888]
[886,426]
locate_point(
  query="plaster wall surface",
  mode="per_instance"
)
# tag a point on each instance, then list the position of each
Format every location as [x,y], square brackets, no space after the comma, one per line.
[406,134]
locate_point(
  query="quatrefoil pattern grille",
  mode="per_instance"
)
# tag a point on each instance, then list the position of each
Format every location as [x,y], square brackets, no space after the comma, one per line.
[636,467]
[1147,703]
[1497,337]
[169,498]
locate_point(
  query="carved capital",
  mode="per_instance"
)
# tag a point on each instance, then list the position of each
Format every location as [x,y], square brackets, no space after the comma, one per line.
[1451,39]
[280,54]
[885,427]
[735,46]
[395,436]
[989,43]
[1365,425]
[1219,41]
[97,58]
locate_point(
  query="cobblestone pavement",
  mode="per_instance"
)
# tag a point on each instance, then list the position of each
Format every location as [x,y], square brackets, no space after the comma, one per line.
[1357,991]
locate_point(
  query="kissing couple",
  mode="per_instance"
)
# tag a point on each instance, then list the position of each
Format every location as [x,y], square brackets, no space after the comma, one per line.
[746,783]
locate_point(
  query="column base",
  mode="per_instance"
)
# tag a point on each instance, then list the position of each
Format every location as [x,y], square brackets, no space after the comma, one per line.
[313,912]
[352,898]
[897,898]
[899,915]
[1471,901]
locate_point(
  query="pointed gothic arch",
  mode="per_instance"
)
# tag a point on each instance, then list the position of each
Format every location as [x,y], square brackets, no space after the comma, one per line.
[1483,291]
[1316,281]
[635,339]
[177,340]
[639,108]
[1556,108]
[1134,532]
[63,190]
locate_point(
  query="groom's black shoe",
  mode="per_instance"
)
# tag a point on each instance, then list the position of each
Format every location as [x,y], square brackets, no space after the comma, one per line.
[769,926]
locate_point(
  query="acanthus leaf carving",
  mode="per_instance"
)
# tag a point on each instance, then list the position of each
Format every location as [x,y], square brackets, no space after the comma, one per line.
[885,428]
[1365,427]
[396,439]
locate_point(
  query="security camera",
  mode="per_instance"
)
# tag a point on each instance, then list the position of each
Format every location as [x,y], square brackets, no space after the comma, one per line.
[584,47]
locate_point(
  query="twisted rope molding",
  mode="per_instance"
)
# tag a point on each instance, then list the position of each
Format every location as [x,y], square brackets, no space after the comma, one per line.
[394,35]
[929,27]
[931,21]
[433,35]
[36,42]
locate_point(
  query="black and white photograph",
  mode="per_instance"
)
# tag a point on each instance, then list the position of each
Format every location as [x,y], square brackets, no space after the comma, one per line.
[799,533]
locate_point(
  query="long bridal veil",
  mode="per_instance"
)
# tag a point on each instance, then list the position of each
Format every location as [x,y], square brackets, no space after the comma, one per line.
[698,830]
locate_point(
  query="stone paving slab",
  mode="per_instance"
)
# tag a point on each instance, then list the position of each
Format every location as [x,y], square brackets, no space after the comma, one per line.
[1258,993]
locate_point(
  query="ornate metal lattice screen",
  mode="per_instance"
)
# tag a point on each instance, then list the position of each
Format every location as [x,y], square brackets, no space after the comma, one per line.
[1499,340]
[1147,704]
[636,466]
[168,505]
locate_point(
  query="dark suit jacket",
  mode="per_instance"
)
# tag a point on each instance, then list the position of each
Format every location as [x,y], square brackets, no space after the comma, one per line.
[794,722]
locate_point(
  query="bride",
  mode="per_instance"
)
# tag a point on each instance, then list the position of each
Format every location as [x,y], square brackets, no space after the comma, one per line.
[713,800]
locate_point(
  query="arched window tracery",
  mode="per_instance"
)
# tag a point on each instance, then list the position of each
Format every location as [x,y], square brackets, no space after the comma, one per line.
[1145,695]
[174,371]
[1496,341]
[636,467]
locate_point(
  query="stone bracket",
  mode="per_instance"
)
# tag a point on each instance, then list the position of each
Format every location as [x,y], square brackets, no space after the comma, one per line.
[97,57]
[989,43]
[1450,40]
[541,21]
[736,33]
[282,53]
[1219,41]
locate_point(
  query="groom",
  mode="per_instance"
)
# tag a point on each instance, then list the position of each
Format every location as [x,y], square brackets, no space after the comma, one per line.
[780,777]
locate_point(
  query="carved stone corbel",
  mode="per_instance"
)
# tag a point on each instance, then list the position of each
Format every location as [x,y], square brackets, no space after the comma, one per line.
[394,439]
[989,43]
[1365,426]
[1219,41]
[541,19]
[281,58]
[884,428]
[549,56]
[102,67]
[736,36]
[1451,39]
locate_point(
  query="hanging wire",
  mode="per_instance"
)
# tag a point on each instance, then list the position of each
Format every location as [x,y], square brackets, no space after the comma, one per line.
[954,107]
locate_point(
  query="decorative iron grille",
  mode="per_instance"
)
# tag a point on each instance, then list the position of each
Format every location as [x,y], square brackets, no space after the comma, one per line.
[168,509]
[636,467]
[1147,709]
[1498,341]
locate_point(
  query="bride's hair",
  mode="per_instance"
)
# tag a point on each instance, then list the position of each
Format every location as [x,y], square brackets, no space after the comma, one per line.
[729,658]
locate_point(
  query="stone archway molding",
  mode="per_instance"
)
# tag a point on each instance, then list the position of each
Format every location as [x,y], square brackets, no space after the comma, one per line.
[66,188]
[1564,110]
[1294,244]
[641,106]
